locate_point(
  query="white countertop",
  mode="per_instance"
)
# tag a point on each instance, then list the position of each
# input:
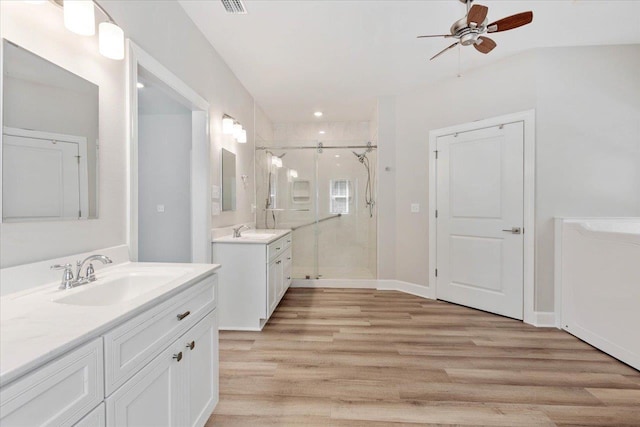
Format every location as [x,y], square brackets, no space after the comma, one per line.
[35,329]
[251,236]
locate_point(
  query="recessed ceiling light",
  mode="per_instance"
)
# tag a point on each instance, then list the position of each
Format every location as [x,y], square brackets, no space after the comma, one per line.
[337,155]
[318,114]
[139,85]
[321,132]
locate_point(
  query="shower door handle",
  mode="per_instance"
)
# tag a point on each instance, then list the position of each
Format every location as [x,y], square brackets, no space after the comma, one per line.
[514,230]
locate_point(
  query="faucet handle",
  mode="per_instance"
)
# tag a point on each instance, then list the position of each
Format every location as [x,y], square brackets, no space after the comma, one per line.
[67,276]
[91,272]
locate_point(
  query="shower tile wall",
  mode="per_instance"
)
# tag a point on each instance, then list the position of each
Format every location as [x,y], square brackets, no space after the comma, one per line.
[346,245]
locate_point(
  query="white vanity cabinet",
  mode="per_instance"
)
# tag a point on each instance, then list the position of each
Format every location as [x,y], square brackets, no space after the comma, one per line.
[158,368]
[256,275]
[175,388]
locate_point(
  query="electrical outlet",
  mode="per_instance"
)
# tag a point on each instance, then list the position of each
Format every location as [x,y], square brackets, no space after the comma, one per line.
[160,208]
[415,207]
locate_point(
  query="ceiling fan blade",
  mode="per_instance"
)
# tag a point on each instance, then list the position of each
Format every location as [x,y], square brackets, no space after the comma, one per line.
[477,14]
[436,35]
[443,51]
[510,22]
[485,45]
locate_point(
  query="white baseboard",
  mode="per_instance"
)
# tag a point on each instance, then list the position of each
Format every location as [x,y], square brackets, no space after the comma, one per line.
[544,319]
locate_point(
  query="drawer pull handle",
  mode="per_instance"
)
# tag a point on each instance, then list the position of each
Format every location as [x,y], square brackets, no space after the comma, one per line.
[178,356]
[183,315]
[191,345]
[277,249]
[289,278]
[278,262]
[288,241]
[288,258]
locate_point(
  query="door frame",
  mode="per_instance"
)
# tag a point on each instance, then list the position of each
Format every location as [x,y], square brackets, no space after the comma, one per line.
[528,119]
[200,152]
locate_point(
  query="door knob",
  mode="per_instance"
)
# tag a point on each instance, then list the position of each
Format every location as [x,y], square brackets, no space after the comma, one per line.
[514,230]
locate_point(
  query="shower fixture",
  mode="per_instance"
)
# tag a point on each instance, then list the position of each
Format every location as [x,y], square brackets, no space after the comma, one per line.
[277,162]
[368,190]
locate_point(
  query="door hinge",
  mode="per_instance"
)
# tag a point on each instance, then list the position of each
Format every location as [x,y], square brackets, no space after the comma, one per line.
[436,272]
[78,159]
[79,214]
[436,213]
[436,154]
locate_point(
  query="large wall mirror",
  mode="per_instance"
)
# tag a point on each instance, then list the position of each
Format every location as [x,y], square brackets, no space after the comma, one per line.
[228,181]
[49,140]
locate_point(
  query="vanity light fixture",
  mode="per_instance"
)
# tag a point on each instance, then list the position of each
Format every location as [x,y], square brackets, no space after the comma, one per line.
[242,139]
[322,132]
[227,124]
[237,130]
[79,17]
[140,85]
[293,173]
[318,114]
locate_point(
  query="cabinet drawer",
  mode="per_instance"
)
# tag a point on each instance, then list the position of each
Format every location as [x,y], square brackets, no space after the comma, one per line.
[60,393]
[135,343]
[276,248]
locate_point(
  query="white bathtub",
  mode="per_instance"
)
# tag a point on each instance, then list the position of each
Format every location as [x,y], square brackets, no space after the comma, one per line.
[598,283]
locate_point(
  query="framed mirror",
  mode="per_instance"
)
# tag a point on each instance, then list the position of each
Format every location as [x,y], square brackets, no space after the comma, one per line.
[49,140]
[228,180]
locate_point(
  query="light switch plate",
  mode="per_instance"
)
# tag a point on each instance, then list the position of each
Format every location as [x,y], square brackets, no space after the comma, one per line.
[415,207]
[215,208]
[215,192]
[160,208]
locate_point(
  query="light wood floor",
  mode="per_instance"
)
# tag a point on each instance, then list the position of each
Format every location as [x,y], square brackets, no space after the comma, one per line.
[338,357]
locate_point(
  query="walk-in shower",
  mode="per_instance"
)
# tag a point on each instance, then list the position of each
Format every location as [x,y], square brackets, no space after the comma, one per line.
[327,196]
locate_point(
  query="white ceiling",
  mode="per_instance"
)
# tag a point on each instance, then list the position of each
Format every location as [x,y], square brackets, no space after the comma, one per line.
[296,57]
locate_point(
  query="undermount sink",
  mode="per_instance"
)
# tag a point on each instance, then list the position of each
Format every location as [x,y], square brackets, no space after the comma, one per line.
[116,289]
[256,236]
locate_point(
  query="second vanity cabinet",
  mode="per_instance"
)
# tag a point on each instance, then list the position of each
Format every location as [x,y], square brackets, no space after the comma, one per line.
[158,368]
[256,274]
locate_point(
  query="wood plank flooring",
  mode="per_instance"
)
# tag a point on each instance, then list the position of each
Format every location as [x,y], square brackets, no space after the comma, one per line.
[345,357]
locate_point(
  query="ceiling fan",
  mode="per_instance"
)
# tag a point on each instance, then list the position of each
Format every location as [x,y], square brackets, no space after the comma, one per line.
[469,30]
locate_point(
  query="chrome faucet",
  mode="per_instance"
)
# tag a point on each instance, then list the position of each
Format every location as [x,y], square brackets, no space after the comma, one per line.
[237,232]
[68,281]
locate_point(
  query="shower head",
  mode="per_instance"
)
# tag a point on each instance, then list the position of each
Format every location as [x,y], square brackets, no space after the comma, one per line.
[360,157]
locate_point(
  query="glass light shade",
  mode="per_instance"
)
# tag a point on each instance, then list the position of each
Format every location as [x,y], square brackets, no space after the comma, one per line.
[276,161]
[242,139]
[111,40]
[79,17]
[227,126]
[293,173]
[237,128]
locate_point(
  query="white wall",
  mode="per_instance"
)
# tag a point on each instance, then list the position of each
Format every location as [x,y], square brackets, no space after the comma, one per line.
[588,142]
[164,30]
[39,28]
[164,178]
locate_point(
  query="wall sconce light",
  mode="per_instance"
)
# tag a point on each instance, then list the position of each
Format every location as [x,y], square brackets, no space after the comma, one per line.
[227,124]
[79,17]
[242,139]
[231,126]
[237,130]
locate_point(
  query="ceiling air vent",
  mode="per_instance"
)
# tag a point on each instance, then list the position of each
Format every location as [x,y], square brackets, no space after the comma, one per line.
[234,6]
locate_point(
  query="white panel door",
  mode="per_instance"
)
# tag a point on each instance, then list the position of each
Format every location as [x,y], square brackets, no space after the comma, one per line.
[480,198]
[40,178]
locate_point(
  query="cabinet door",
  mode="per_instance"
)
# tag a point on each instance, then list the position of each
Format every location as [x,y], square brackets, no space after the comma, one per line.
[201,348]
[154,396]
[272,287]
[287,261]
[96,418]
